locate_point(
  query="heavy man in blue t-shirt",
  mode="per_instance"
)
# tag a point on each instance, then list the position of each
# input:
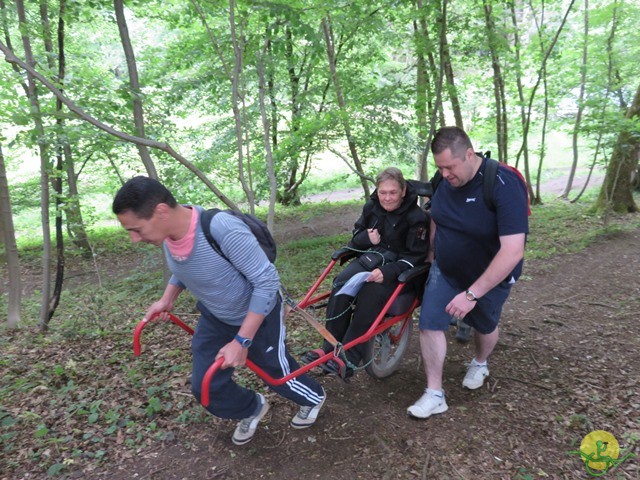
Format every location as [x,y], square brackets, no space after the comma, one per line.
[476,256]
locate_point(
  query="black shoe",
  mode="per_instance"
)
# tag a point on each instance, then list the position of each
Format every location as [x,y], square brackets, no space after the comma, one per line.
[463,335]
[312,356]
[335,366]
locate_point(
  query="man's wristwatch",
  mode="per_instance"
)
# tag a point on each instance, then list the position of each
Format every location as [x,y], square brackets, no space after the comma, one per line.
[244,342]
[471,296]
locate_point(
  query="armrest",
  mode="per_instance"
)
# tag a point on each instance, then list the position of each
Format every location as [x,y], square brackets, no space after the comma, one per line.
[343,254]
[414,272]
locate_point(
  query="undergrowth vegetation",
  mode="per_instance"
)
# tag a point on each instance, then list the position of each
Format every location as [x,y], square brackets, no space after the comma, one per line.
[75,397]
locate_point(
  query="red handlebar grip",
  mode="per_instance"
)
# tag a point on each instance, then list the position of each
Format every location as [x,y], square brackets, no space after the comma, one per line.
[143,323]
[206,380]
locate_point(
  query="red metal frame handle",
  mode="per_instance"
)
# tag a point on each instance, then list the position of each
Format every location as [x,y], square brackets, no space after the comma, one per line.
[379,325]
[137,349]
[308,298]
[215,366]
[206,380]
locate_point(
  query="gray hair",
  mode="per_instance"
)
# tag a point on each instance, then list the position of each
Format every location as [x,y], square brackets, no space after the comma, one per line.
[391,173]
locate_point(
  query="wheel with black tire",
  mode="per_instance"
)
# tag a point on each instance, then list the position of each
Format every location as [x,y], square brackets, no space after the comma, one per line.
[385,350]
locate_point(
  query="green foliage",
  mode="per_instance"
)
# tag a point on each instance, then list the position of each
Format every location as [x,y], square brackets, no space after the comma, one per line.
[185,59]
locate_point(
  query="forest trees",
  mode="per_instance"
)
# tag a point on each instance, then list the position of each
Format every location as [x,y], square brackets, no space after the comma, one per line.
[8,240]
[247,98]
[616,192]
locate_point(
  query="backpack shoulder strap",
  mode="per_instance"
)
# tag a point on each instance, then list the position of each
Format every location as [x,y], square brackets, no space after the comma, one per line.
[488,182]
[433,185]
[205,223]
[435,180]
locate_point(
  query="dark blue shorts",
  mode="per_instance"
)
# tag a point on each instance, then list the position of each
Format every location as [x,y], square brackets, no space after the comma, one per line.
[439,292]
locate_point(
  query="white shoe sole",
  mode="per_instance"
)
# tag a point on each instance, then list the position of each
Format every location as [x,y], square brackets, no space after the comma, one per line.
[299,425]
[244,441]
[417,412]
[475,385]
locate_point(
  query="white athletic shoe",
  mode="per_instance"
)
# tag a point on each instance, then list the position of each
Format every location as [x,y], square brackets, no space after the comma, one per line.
[307,416]
[428,404]
[475,376]
[246,428]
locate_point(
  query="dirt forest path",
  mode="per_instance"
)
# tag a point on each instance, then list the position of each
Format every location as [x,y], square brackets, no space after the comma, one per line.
[567,364]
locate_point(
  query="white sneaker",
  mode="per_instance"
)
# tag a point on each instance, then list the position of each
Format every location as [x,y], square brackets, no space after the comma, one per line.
[428,404]
[307,416]
[475,376]
[246,428]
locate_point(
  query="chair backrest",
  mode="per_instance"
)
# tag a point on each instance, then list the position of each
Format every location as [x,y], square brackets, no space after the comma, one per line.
[422,189]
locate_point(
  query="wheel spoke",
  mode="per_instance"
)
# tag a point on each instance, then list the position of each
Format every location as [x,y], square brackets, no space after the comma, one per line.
[387,349]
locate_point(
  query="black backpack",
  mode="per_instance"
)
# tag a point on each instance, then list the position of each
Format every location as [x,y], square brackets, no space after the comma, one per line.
[258,228]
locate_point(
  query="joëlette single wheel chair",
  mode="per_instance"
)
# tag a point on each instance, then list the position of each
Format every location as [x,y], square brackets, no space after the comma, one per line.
[387,338]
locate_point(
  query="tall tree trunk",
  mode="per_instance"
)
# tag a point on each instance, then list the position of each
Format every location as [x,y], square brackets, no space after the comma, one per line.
[235,77]
[498,82]
[57,177]
[44,170]
[616,193]
[545,57]
[437,107]
[73,212]
[524,150]
[235,102]
[296,169]
[605,103]
[328,37]
[9,239]
[305,168]
[273,186]
[134,86]
[290,195]
[451,84]
[583,82]
[422,104]
[537,199]
[271,86]
[518,75]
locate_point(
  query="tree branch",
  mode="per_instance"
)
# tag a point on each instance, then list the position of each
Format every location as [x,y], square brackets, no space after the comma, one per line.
[165,147]
[353,169]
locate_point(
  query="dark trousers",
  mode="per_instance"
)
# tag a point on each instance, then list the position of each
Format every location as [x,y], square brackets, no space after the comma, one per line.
[268,351]
[346,321]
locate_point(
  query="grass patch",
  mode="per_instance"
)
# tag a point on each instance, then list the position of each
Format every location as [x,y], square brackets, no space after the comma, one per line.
[559,227]
[305,211]
[300,263]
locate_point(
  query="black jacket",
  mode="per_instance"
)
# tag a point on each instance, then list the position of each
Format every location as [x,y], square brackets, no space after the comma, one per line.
[405,232]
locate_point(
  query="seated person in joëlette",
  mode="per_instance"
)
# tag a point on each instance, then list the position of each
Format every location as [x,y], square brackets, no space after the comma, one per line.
[391,236]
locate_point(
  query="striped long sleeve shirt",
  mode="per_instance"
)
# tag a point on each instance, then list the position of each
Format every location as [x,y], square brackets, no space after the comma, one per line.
[228,289]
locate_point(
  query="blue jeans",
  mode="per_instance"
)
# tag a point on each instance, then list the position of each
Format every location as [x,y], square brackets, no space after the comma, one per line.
[268,351]
[439,292]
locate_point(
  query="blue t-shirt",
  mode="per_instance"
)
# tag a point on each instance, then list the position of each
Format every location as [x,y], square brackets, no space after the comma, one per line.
[467,231]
